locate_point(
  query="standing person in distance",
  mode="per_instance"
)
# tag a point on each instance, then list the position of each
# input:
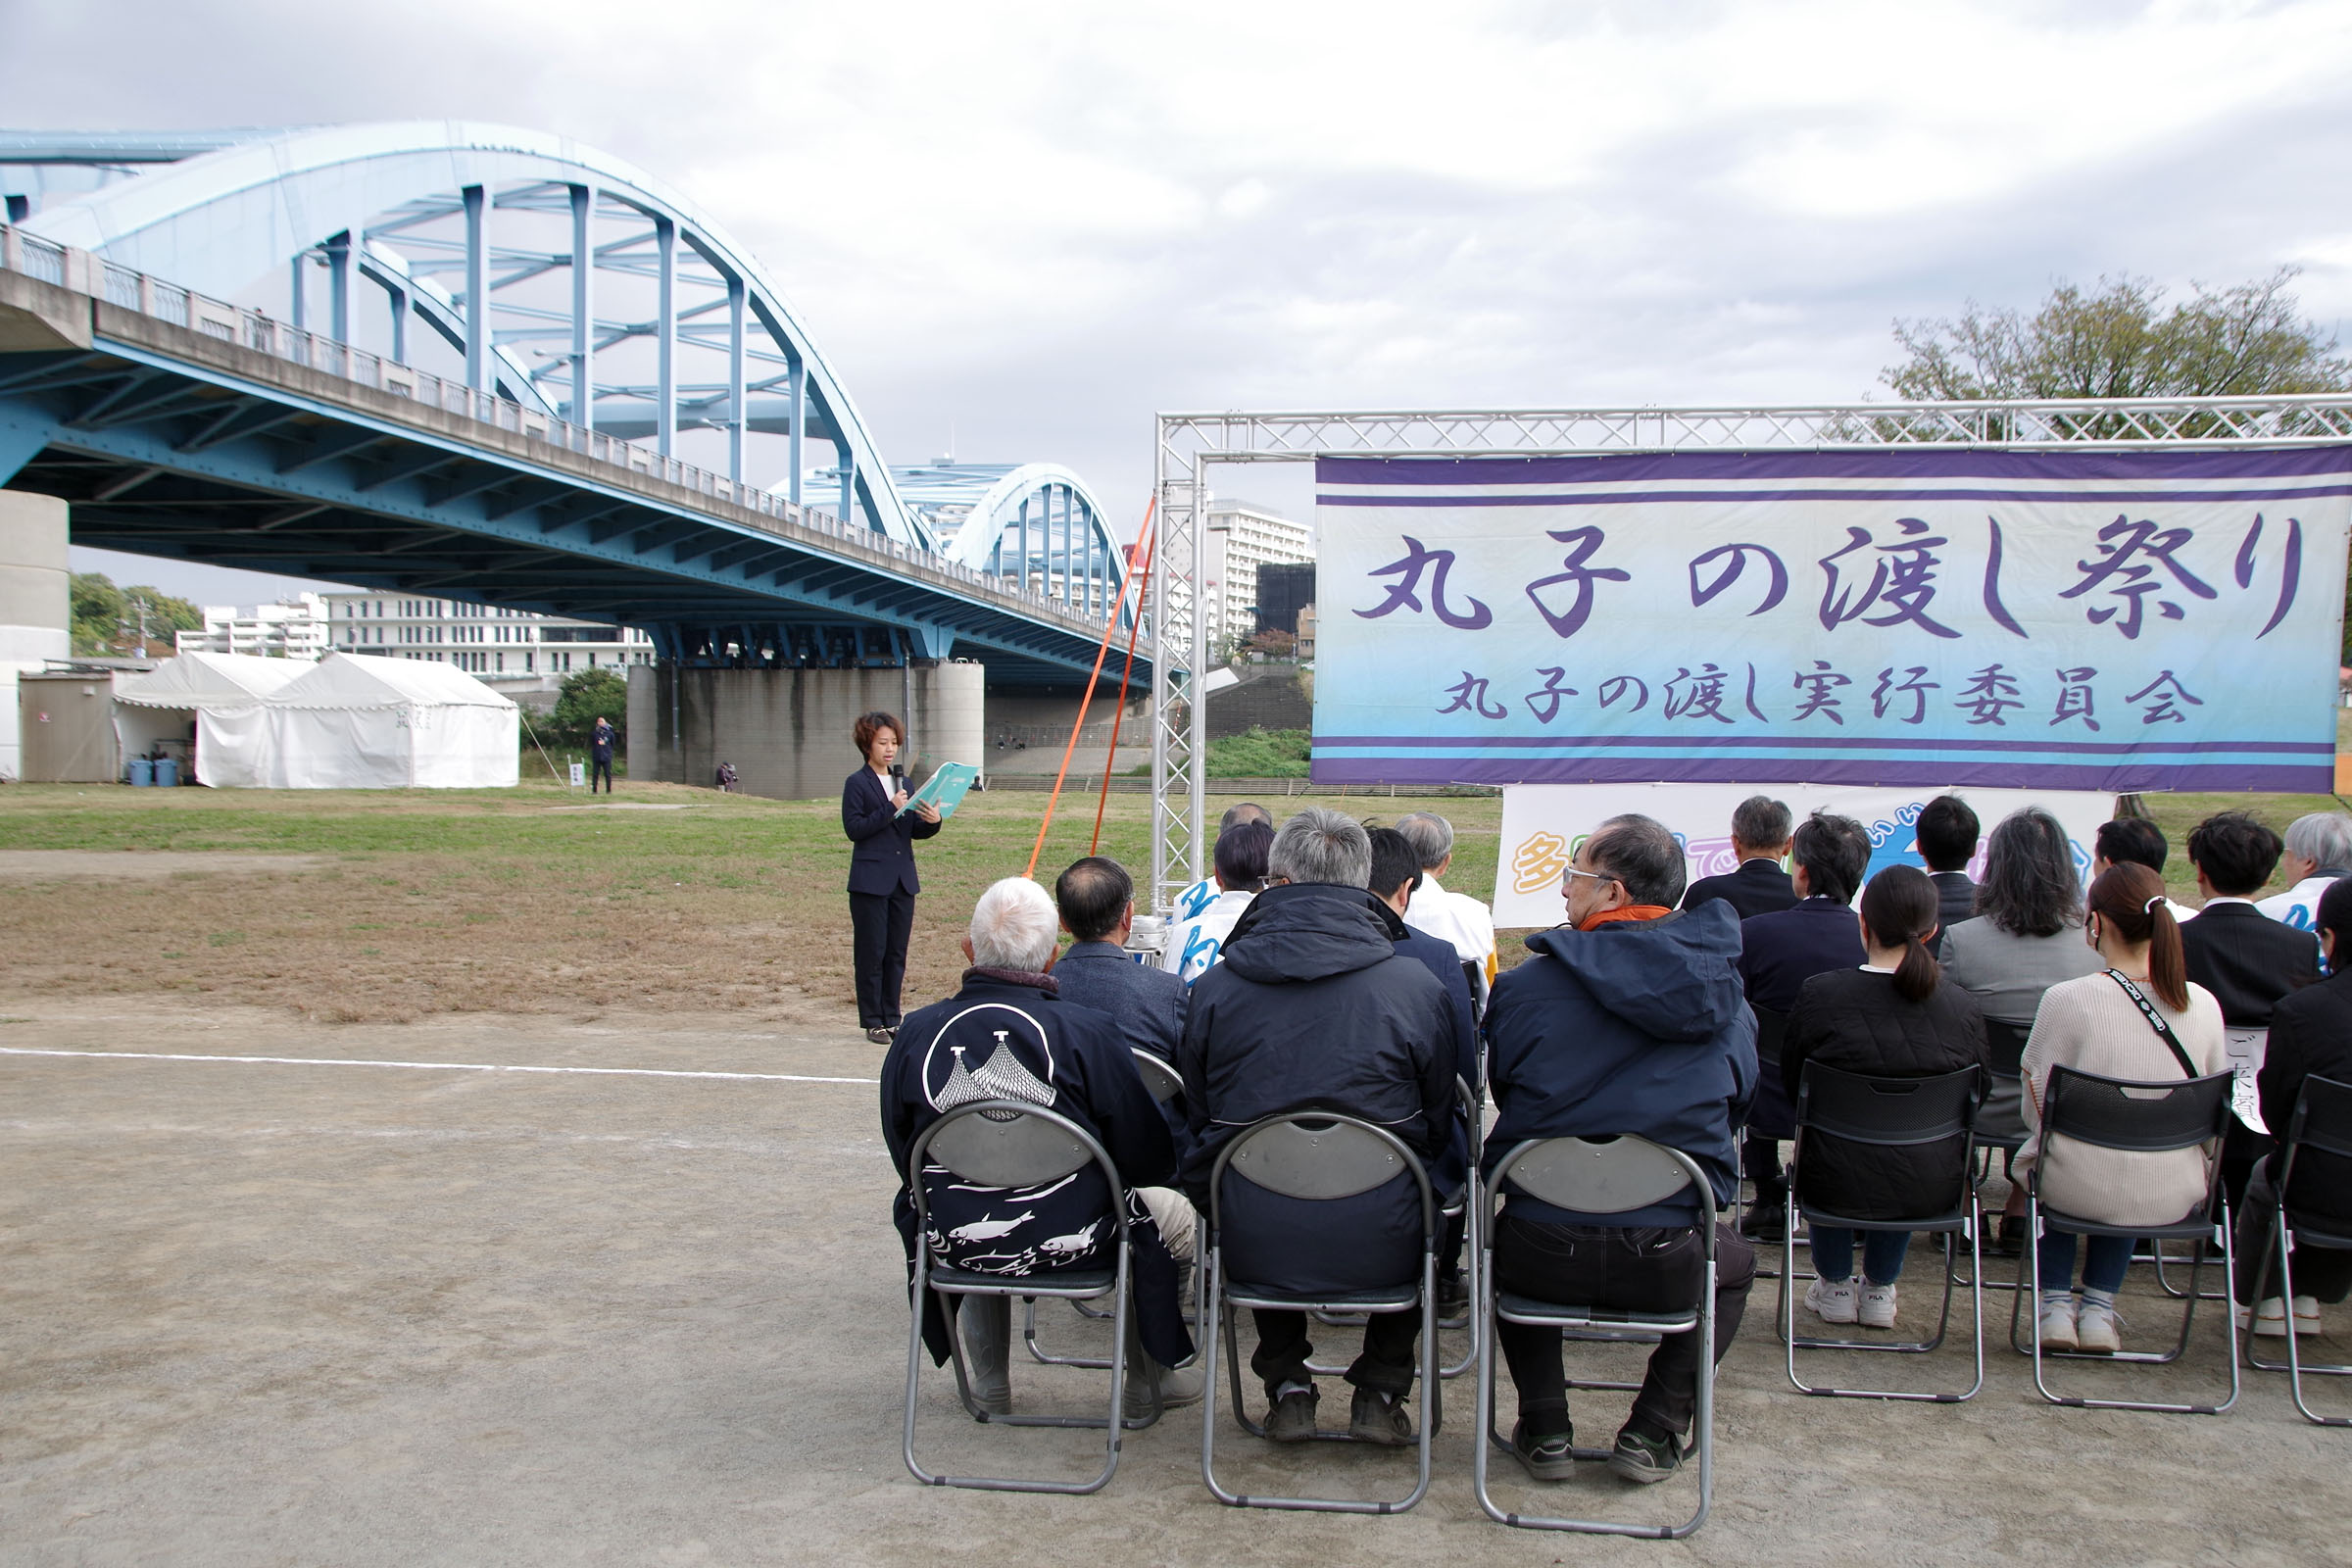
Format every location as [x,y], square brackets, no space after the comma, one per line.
[1889,1018]
[1760,838]
[600,754]
[882,877]
[2094,1024]
[1947,832]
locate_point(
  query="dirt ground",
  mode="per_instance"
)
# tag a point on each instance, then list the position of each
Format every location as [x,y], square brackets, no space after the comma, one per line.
[273,1312]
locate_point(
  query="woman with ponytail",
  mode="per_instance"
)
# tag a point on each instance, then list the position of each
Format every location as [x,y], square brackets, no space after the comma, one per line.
[2123,1022]
[1894,1017]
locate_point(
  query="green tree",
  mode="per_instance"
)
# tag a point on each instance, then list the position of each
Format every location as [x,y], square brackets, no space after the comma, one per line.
[585,696]
[107,619]
[2120,341]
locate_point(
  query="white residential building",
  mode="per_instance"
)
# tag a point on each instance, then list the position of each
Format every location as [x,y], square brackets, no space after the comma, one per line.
[291,628]
[1242,537]
[478,638]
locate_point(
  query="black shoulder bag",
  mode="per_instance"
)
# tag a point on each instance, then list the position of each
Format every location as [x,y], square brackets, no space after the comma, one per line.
[2148,1011]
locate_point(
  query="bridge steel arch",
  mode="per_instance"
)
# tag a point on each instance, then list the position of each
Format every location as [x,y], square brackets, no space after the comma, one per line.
[219,221]
[1036,525]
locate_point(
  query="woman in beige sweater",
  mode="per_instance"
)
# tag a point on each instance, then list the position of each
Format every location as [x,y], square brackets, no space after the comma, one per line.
[2093,1024]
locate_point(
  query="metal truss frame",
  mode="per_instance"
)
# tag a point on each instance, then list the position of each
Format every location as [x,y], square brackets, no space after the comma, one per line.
[1188,445]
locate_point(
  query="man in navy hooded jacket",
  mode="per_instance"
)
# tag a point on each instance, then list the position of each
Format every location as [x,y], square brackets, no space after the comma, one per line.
[1629,1019]
[1314,1008]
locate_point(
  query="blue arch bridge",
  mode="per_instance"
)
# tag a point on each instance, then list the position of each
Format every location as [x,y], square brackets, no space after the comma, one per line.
[485,364]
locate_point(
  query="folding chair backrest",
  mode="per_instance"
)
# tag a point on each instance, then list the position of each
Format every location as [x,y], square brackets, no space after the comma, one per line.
[2324,1117]
[1316,1158]
[2141,1117]
[1596,1176]
[2005,1048]
[1890,1112]
[1771,1028]
[1003,1142]
[1158,1077]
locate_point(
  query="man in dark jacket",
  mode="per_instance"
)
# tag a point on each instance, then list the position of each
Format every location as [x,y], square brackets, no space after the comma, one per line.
[1097,900]
[1629,1021]
[2311,1037]
[1779,953]
[1760,838]
[1314,1009]
[1006,1035]
[600,754]
[1947,831]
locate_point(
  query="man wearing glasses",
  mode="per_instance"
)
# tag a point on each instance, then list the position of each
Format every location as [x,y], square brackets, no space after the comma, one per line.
[1630,1018]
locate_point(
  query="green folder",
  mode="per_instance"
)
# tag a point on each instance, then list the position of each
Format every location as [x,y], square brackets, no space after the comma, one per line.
[943,789]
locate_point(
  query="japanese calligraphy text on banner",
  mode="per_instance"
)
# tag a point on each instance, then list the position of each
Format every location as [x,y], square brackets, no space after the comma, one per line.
[2106,620]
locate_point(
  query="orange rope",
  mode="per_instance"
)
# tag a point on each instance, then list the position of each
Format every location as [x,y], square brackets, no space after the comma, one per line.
[1119,716]
[1101,654]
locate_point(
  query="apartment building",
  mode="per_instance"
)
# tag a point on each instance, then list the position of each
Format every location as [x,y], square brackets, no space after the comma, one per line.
[481,639]
[291,628]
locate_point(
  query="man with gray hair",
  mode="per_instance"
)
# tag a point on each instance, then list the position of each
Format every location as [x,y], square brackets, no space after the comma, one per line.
[2319,850]
[1457,918]
[1760,828]
[1006,1035]
[1314,1010]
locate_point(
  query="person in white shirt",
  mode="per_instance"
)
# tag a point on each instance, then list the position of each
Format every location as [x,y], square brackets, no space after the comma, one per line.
[2319,850]
[1195,944]
[1202,894]
[1457,918]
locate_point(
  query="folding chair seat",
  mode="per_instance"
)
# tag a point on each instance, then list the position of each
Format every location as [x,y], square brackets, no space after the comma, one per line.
[2139,1119]
[1892,1113]
[1315,1157]
[1011,1142]
[1596,1177]
[2322,1121]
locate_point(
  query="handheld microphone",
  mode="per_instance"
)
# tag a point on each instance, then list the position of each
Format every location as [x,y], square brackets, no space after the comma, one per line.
[898,779]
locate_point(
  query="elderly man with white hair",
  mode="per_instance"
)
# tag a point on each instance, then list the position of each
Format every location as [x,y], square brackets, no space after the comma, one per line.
[1006,1035]
[1457,918]
[2319,850]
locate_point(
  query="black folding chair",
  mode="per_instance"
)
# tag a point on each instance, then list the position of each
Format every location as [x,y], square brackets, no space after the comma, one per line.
[1771,1029]
[1164,1085]
[1010,1142]
[2322,1121]
[1596,1177]
[1892,1114]
[2004,1058]
[2148,1118]
[1314,1155]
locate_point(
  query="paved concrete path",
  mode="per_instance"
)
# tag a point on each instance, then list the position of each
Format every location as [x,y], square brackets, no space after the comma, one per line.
[261,1312]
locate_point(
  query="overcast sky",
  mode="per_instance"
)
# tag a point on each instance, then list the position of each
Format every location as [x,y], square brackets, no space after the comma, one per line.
[1035,225]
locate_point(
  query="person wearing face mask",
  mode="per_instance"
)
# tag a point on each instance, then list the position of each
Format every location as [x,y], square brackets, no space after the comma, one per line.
[882,879]
[2139,1018]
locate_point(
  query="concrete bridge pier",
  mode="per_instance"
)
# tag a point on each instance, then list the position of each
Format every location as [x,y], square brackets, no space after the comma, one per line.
[788,731]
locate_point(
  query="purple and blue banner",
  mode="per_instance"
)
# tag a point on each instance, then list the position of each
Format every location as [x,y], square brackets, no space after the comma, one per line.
[2066,620]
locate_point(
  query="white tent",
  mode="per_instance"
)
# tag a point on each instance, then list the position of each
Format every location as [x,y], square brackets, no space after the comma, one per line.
[356,722]
[157,712]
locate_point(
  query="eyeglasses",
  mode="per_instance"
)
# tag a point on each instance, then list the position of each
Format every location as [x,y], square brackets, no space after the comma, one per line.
[1572,871]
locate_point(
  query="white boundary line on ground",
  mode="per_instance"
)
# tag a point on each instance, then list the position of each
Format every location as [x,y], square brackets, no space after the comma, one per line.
[435,1066]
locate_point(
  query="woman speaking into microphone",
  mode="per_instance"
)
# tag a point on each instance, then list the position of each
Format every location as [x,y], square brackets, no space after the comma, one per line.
[882,879]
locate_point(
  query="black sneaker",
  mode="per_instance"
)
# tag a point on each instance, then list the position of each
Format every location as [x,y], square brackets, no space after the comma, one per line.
[1645,1461]
[1765,1223]
[1549,1458]
[1292,1417]
[1377,1418]
[1453,1296]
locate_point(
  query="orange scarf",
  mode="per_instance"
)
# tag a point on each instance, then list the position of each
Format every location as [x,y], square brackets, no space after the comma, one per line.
[1626,911]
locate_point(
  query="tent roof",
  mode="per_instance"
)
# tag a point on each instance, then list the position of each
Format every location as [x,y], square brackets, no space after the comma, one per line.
[209,680]
[366,680]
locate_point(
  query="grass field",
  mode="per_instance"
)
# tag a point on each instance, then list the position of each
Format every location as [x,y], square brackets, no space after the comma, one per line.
[520,901]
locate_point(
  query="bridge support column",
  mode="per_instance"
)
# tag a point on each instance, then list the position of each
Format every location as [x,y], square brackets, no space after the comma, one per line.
[34,611]
[787,731]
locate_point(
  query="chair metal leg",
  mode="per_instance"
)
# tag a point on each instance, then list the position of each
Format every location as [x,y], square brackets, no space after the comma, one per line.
[1425,1374]
[2188,1314]
[1793,1343]
[2164,1283]
[1047,1358]
[2293,1366]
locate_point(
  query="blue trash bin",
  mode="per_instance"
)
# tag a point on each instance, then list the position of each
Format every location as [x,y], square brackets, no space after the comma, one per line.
[142,772]
[166,773]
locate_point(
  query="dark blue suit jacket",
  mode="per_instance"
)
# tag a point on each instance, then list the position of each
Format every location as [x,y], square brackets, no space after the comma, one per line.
[1757,887]
[883,860]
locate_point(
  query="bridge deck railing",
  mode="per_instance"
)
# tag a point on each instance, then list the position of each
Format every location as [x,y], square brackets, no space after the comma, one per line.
[50,263]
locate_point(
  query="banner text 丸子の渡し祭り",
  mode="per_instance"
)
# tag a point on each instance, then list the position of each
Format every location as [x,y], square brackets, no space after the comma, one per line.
[2099,620]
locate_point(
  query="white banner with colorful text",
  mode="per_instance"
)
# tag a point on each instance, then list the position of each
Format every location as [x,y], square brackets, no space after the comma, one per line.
[1543,824]
[2096,621]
